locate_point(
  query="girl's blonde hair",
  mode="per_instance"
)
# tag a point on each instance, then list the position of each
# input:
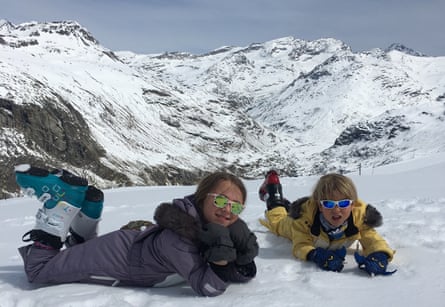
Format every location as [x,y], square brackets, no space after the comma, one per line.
[331,183]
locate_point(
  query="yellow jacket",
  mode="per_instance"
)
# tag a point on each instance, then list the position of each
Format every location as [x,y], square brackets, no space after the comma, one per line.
[306,231]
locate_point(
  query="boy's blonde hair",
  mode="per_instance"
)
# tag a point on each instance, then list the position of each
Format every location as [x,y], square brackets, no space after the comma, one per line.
[331,183]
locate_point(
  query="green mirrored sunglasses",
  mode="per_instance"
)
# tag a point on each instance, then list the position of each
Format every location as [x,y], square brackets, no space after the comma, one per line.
[221,201]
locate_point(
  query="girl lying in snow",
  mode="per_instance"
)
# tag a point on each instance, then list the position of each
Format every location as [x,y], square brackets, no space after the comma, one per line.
[200,238]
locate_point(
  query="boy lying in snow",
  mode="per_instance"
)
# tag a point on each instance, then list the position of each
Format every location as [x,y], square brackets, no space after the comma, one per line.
[322,226]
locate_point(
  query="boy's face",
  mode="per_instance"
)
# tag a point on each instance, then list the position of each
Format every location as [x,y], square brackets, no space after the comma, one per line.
[336,216]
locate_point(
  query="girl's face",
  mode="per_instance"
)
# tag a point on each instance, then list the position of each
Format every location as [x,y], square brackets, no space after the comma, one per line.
[222,216]
[336,216]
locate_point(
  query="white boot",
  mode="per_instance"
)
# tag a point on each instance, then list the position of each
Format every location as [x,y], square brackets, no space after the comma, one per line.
[63,195]
[57,220]
[52,225]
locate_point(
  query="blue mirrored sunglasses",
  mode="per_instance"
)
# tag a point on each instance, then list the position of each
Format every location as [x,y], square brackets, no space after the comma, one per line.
[221,201]
[330,204]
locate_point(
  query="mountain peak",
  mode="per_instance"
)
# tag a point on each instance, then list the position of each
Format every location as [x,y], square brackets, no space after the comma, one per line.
[33,30]
[5,26]
[404,49]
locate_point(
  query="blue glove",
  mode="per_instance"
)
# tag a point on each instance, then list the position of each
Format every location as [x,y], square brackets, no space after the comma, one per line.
[375,264]
[329,260]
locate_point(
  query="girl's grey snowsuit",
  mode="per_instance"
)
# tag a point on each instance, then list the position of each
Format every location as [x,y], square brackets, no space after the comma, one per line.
[134,258]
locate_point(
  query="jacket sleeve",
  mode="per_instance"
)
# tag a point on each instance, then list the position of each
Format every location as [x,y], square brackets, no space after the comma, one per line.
[233,272]
[369,238]
[372,242]
[183,257]
[296,230]
[302,240]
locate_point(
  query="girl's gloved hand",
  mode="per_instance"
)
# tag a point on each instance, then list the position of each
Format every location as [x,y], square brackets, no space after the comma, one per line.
[217,244]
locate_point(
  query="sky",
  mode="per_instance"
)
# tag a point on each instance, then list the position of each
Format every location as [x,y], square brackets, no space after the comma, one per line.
[199,26]
[409,195]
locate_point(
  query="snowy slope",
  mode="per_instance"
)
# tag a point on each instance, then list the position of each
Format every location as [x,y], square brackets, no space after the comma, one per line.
[410,196]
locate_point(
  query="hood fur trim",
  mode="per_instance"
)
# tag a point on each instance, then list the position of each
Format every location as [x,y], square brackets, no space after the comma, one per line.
[295,207]
[174,218]
[373,217]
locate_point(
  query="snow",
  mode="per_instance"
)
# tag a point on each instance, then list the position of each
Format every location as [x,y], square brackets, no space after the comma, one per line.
[410,195]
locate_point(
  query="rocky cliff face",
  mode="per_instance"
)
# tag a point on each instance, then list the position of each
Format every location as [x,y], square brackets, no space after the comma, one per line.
[120,118]
[46,135]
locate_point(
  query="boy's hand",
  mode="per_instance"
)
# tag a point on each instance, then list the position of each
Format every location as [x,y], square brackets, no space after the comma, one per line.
[329,260]
[375,264]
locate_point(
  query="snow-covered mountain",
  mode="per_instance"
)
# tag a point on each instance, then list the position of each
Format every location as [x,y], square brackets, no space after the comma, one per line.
[303,107]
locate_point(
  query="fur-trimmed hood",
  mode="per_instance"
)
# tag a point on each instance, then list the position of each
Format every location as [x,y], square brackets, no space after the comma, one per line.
[181,216]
